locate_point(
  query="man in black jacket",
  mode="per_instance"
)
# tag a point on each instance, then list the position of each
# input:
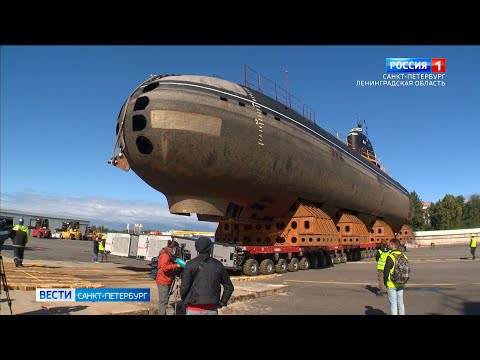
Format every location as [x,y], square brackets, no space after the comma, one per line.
[19,242]
[201,279]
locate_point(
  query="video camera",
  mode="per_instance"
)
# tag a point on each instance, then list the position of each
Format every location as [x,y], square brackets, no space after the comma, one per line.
[185,254]
[5,231]
[182,256]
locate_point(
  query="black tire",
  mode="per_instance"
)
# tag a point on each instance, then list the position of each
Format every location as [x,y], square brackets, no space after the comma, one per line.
[250,268]
[363,254]
[281,266]
[267,267]
[343,258]
[315,261]
[330,260]
[323,260]
[336,259]
[356,255]
[72,237]
[293,265]
[40,235]
[350,255]
[304,264]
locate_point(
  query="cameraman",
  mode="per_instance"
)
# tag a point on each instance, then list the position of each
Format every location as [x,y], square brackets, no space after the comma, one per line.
[4,232]
[166,273]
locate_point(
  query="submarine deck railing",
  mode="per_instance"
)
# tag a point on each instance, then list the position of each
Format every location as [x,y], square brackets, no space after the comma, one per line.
[254,80]
[369,155]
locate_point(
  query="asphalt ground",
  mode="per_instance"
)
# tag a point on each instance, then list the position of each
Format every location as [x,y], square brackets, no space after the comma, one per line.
[444,281]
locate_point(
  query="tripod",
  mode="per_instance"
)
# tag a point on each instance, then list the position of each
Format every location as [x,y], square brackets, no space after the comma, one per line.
[4,284]
[175,290]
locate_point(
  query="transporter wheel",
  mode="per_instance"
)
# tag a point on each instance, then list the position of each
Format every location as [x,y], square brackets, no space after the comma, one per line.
[356,255]
[40,235]
[323,260]
[336,259]
[315,261]
[72,237]
[250,267]
[330,260]
[343,258]
[304,264]
[363,254]
[267,267]
[293,265]
[281,266]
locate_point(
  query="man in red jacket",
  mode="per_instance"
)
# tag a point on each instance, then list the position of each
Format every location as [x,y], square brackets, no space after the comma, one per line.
[166,273]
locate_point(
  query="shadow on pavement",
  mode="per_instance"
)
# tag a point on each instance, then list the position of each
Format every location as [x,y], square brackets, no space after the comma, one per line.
[61,310]
[373,289]
[135,268]
[371,311]
[27,248]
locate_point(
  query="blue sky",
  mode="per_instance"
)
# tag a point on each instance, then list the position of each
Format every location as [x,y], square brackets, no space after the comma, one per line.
[59,106]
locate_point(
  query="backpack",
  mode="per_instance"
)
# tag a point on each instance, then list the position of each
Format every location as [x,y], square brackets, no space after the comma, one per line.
[401,271]
[154,266]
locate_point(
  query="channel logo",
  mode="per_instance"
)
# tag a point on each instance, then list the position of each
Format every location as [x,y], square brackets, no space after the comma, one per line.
[416,65]
[93,295]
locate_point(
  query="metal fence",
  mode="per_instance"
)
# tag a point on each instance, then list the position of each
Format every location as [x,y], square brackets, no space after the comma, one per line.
[260,83]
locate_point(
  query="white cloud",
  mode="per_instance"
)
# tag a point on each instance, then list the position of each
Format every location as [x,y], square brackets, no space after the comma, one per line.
[102,211]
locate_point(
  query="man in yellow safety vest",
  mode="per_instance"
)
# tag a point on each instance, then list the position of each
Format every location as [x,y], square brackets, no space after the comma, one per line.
[394,290]
[19,242]
[381,257]
[101,246]
[473,246]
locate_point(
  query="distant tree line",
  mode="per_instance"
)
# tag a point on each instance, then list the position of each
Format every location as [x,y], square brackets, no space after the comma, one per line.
[452,212]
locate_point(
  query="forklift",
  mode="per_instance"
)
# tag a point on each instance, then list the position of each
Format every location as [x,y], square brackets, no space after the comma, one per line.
[42,229]
[71,230]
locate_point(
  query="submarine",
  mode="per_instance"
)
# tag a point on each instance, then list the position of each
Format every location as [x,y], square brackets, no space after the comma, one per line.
[250,154]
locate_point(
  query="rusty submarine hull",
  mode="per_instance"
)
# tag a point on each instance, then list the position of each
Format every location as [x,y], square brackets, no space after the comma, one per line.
[236,155]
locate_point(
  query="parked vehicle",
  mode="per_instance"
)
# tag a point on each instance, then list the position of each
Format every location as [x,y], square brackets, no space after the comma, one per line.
[42,229]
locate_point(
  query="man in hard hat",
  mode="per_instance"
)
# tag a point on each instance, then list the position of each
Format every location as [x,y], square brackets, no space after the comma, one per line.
[19,242]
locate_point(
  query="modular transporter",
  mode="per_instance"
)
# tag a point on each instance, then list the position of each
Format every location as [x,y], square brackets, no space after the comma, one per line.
[286,193]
